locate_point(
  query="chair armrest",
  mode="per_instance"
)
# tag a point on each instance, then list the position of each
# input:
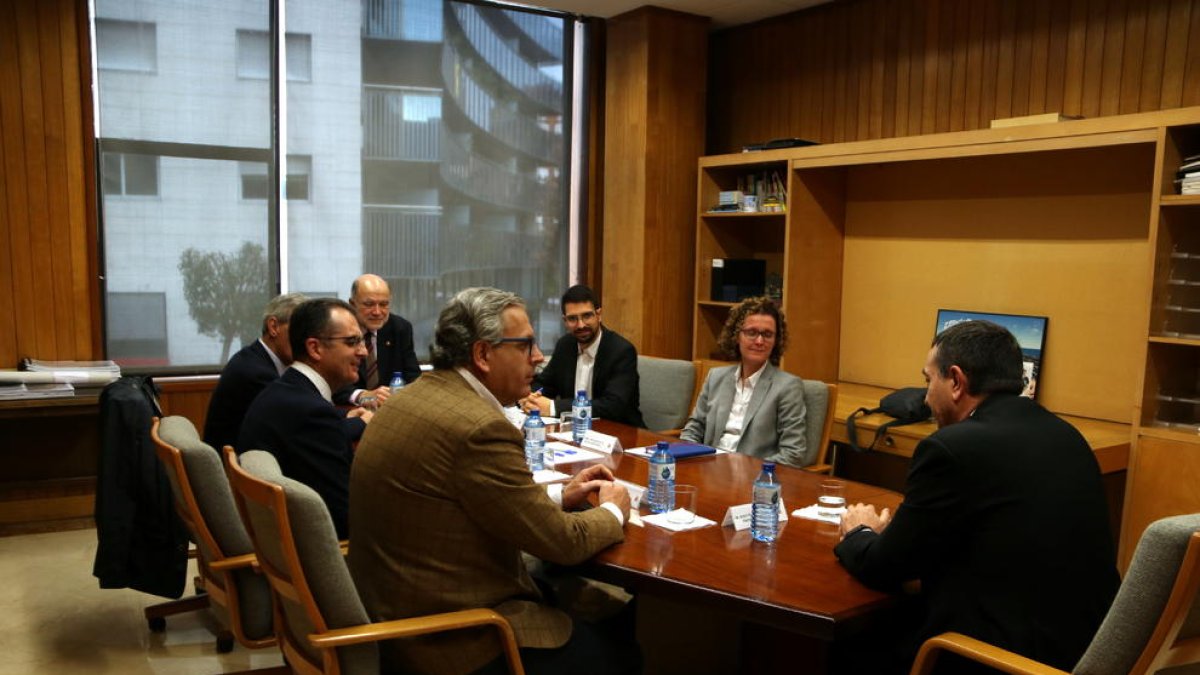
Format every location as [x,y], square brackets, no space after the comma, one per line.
[979,651]
[826,469]
[235,563]
[419,625]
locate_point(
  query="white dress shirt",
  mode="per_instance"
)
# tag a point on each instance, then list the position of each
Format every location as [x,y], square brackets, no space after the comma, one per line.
[742,392]
[586,363]
[315,377]
[279,367]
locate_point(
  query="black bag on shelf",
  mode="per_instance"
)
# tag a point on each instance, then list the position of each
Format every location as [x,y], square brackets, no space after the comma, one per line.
[906,405]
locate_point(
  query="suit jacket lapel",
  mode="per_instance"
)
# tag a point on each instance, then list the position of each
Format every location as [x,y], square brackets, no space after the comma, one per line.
[723,404]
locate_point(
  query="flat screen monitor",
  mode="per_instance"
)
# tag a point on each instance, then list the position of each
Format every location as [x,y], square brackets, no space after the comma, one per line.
[1030,332]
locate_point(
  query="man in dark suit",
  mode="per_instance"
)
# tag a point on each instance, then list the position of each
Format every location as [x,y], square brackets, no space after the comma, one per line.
[389,340]
[294,417]
[443,504]
[589,357]
[252,368]
[1004,519]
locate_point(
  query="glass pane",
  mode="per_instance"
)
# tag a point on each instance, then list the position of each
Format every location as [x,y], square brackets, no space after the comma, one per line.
[141,175]
[440,150]
[186,273]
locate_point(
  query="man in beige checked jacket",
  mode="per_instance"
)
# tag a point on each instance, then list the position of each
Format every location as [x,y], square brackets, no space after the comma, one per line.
[442,504]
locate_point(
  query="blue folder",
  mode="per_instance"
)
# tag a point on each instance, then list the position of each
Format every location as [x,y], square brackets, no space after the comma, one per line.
[685,450]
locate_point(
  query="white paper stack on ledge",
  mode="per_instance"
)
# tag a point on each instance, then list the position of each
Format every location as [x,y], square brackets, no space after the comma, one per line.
[13,392]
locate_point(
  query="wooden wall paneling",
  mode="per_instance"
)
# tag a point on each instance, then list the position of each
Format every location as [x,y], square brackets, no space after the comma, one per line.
[1039,55]
[1175,58]
[81,171]
[624,176]
[1005,58]
[887,68]
[991,61]
[933,44]
[1056,56]
[973,65]
[1131,60]
[957,79]
[1093,60]
[56,286]
[813,272]
[1114,47]
[1156,45]
[41,300]
[1191,91]
[655,109]
[16,177]
[1074,65]
[187,396]
[8,316]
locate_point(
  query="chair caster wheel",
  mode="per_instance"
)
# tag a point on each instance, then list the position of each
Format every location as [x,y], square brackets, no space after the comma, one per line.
[224,644]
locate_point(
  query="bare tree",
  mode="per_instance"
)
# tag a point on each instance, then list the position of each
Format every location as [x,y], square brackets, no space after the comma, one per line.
[226,292]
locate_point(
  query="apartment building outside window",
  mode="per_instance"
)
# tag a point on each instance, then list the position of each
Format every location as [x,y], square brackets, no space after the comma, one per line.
[424,141]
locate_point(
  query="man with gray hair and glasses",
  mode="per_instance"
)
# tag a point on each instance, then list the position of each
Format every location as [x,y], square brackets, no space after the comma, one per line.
[442,505]
[254,366]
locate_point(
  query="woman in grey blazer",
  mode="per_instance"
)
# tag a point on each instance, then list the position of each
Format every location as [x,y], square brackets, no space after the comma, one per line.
[752,407]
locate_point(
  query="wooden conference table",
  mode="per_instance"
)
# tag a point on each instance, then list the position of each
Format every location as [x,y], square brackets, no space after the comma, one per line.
[796,585]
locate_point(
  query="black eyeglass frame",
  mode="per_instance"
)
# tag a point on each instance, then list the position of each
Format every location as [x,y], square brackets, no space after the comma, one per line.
[529,342]
[350,341]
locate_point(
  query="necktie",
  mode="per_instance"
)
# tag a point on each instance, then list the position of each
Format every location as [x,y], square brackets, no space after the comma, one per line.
[372,364]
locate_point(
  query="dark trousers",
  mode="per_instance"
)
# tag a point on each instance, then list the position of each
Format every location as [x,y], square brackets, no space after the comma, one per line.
[603,648]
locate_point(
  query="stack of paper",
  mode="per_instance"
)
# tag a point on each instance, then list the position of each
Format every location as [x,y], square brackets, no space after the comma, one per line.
[23,391]
[1188,176]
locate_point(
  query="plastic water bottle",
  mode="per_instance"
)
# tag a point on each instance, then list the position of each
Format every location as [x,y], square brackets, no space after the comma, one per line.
[581,416]
[764,525]
[661,489]
[535,441]
[397,382]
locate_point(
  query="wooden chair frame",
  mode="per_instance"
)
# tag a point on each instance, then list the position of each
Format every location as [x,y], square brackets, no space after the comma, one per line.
[293,585]
[1164,649]
[217,575]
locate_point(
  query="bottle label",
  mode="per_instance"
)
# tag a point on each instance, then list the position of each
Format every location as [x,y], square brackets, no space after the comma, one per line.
[665,471]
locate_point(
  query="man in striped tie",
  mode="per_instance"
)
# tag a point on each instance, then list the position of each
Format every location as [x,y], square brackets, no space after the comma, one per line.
[389,341]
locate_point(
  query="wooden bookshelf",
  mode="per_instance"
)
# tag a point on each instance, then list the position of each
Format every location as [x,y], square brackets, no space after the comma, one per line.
[1077,221]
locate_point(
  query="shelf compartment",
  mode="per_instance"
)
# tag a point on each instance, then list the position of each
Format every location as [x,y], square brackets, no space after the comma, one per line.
[1171,397]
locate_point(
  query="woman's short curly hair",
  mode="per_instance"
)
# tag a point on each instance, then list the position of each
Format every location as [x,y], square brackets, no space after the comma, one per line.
[728,342]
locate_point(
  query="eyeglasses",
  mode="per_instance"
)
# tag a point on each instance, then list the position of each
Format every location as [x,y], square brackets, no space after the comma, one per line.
[350,341]
[753,334]
[529,342]
[579,318]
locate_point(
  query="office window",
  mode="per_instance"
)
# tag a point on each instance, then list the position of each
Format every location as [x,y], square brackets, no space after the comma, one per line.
[126,45]
[254,56]
[255,184]
[437,128]
[137,328]
[129,174]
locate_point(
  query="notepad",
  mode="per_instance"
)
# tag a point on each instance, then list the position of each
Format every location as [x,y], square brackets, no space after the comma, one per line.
[677,450]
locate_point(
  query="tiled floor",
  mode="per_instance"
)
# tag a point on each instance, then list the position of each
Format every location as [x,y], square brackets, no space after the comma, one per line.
[55,618]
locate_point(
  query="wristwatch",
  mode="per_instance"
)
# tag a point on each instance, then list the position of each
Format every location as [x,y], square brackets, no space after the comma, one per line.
[858,529]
